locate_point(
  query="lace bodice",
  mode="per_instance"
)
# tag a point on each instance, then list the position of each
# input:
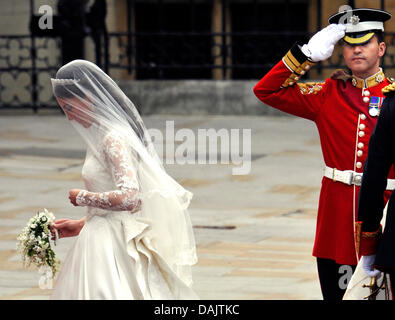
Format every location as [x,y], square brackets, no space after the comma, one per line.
[111,181]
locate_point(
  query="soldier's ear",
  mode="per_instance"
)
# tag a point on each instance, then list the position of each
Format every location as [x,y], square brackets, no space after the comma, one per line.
[382,49]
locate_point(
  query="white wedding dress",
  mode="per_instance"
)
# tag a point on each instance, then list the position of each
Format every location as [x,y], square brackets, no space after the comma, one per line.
[112,258]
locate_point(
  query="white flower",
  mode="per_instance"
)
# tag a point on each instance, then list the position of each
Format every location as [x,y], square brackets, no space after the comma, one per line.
[37,250]
[42,269]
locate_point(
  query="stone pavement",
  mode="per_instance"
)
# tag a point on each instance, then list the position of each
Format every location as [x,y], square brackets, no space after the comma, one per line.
[254,232]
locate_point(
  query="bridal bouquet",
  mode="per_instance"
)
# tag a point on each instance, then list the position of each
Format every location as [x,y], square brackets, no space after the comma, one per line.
[34,243]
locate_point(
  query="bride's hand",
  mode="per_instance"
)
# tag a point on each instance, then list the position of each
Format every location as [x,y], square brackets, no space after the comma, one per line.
[67,228]
[137,207]
[73,193]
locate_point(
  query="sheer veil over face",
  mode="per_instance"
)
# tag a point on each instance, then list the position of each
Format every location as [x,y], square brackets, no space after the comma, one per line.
[98,109]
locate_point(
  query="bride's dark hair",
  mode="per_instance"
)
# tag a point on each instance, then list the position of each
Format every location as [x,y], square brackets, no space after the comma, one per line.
[91,78]
[72,71]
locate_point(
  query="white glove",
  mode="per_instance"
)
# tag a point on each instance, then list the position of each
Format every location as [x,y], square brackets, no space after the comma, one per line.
[367,266]
[321,45]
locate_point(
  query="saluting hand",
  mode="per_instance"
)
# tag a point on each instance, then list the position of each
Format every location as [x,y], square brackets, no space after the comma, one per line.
[320,47]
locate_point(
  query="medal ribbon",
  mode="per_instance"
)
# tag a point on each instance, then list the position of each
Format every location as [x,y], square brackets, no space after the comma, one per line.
[375,105]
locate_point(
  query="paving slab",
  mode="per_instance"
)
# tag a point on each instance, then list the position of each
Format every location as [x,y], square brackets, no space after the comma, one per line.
[254,232]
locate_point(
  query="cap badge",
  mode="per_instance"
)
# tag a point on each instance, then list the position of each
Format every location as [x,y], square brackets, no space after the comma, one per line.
[354,19]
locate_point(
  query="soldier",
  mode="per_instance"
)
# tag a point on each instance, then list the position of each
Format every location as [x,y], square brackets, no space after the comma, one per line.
[375,246]
[72,28]
[344,109]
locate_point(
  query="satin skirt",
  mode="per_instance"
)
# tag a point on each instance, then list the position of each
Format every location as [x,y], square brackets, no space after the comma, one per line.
[111,259]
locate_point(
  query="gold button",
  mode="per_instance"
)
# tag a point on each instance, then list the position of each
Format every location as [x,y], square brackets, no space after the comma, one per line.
[361,133]
[360,145]
[359,165]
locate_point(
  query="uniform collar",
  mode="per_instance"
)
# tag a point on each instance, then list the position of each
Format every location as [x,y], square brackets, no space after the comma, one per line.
[368,82]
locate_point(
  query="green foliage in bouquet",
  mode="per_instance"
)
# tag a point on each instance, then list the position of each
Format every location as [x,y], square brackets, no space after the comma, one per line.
[34,242]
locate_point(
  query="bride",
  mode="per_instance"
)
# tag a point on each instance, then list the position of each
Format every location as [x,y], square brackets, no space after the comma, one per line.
[136,241]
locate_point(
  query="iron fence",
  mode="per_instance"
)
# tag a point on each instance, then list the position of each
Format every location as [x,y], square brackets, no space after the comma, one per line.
[27,63]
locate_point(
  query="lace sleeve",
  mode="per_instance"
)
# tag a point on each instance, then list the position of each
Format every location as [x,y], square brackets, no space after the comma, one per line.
[125,198]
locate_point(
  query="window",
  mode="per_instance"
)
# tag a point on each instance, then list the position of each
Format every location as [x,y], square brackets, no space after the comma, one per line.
[173,40]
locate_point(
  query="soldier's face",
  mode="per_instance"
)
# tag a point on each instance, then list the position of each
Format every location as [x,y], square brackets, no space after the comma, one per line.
[364,60]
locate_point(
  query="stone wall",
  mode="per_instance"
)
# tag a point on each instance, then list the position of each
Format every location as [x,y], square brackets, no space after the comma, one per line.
[196,97]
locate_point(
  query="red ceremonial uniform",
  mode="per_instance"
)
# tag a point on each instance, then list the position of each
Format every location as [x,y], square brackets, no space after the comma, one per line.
[340,109]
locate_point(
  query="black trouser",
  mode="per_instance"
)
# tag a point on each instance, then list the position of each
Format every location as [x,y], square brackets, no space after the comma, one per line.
[334,278]
[392,284]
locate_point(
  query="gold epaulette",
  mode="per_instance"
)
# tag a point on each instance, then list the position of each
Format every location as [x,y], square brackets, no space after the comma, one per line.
[388,89]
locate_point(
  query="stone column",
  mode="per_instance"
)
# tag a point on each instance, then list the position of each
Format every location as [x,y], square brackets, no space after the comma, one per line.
[121,22]
[217,28]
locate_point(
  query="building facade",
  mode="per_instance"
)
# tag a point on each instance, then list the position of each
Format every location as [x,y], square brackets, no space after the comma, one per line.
[173,40]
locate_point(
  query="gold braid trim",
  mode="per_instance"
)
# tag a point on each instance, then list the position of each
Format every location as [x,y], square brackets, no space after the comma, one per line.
[372,234]
[310,87]
[298,69]
[388,89]
[291,61]
[358,230]
[360,235]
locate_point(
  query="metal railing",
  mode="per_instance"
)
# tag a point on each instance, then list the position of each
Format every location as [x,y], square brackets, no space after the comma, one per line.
[27,63]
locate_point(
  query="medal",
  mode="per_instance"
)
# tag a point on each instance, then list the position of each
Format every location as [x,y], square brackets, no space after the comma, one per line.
[375,105]
[373,112]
